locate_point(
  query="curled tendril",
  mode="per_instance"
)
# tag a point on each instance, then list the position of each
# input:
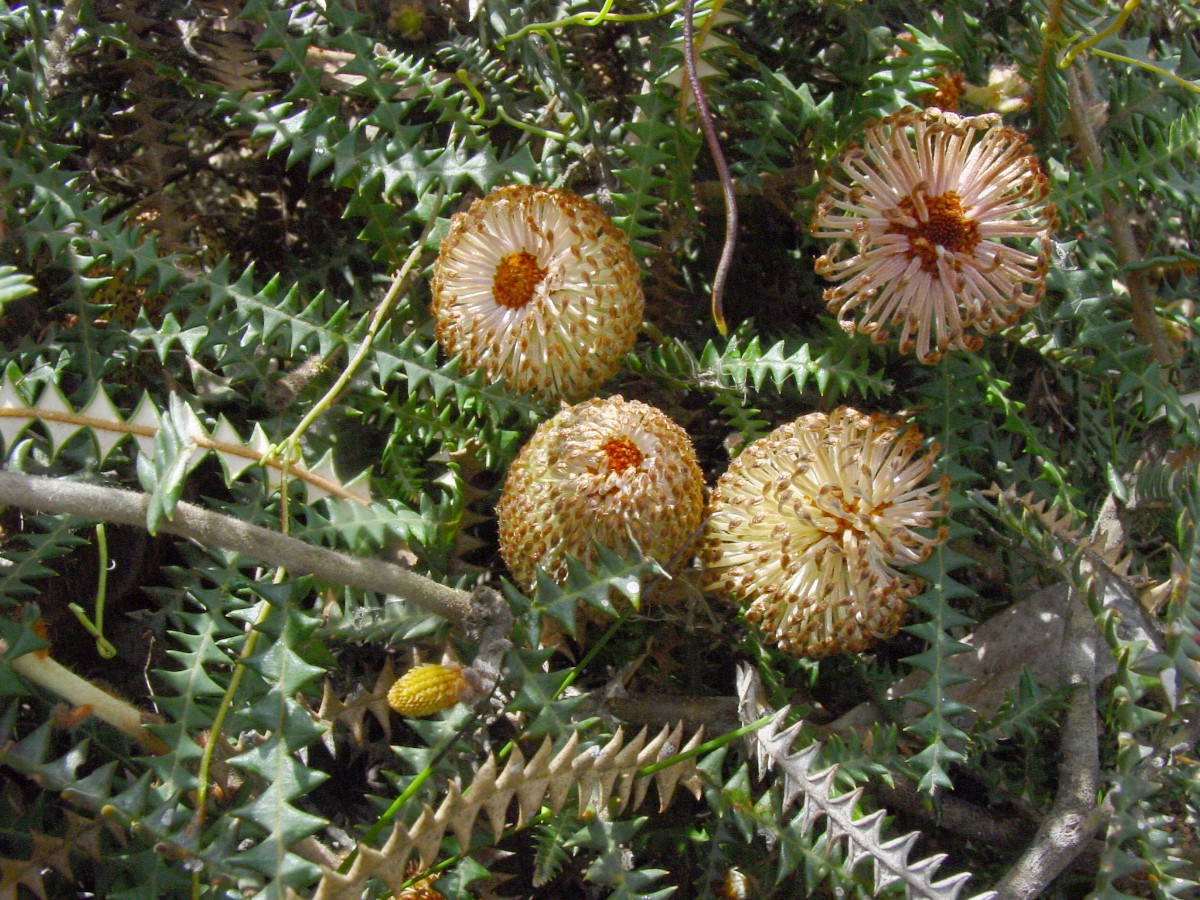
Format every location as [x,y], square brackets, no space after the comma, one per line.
[714,147]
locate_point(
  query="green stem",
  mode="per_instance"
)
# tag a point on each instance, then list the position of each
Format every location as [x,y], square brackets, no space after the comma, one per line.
[590,19]
[398,286]
[214,731]
[1088,43]
[96,628]
[502,115]
[593,650]
[386,817]
[1149,67]
[715,744]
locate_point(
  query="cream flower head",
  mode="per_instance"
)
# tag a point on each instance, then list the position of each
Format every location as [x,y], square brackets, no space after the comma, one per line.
[940,225]
[810,524]
[540,290]
[601,471]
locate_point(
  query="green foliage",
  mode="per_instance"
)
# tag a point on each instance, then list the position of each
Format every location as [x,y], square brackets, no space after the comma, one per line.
[936,727]
[204,209]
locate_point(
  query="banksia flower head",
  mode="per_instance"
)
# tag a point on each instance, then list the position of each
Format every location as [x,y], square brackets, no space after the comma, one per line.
[540,290]
[810,524]
[600,471]
[940,226]
[426,689]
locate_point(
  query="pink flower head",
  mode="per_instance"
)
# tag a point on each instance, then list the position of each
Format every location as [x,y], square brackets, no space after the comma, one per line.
[940,227]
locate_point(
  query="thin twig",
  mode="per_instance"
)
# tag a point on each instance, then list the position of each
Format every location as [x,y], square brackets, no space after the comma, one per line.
[1145,320]
[714,147]
[56,495]
[399,286]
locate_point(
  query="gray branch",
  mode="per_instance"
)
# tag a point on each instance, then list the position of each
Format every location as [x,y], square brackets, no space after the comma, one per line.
[1074,817]
[55,495]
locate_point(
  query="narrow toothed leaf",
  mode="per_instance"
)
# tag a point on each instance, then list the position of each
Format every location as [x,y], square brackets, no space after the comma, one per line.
[860,836]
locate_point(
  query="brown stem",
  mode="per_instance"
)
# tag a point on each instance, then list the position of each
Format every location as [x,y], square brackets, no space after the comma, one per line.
[1145,321]
[714,147]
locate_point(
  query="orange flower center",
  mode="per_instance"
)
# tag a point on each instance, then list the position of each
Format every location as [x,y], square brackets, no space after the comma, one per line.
[946,226]
[946,91]
[852,515]
[622,454]
[516,278]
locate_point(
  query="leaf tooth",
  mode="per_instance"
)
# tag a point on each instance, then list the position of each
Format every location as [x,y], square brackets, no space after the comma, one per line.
[624,773]
[259,440]
[885,876]
[144,424]
[660,748]
[844,803]
[483,785]
[57,416]
[864,839]
[100,410]
[537,777]
[898,849]
[950,887]
[321,480]
[777,743]
[811,812]
[428,836]
[795,774]
[585,768]
[685,773]
[497,800]
[561,777]
[32,750]
[334,884]
[15,414]
[389,862]
[457,814]
[231,450]
[94,788]
[924,868]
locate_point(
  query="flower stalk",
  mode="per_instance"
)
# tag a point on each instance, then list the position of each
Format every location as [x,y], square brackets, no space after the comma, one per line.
[86,697]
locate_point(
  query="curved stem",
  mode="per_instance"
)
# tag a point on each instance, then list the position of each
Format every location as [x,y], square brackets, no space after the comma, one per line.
[1087,43]
[218,722]
[591,19]
[1149,67]
[714,147]
[382,311]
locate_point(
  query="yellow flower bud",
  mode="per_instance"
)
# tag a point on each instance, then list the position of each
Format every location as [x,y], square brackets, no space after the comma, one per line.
[424,690]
